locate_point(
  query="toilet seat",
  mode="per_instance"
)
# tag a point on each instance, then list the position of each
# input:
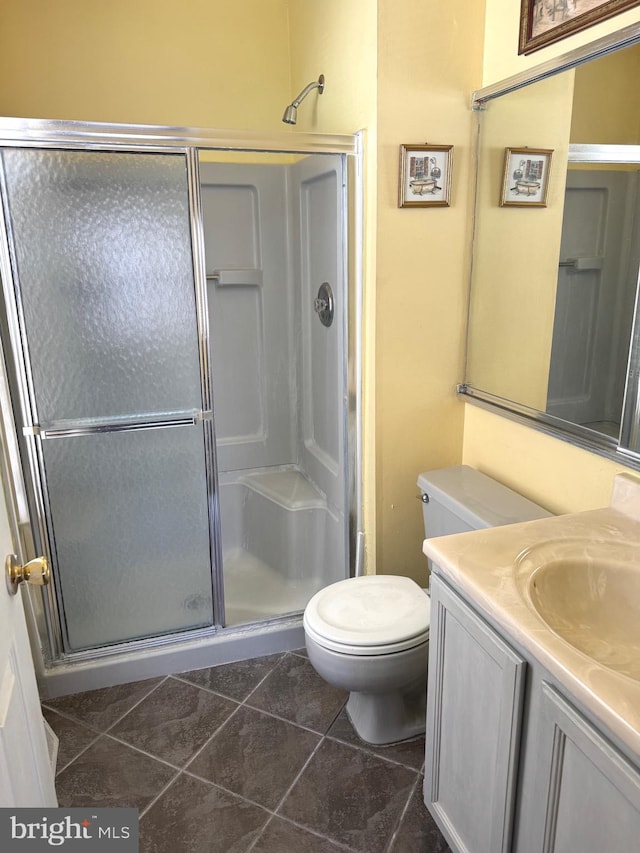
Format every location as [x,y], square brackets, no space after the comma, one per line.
[370,615]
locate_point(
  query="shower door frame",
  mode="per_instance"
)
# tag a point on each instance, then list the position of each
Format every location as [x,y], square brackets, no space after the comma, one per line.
[46,618]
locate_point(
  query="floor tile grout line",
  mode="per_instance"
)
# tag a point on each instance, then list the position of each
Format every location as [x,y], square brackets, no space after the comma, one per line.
[260,834]
[324,737]
[278,813]
[193,775]
[100,733]
[396,829]
[211,737]
[75,720]
[97,737]
[160,793]
[264,678]
[144,752]
[180,677]
[202,687]
[298,654]
[277,716]
[94,728]
[298,775]
[285,720]
[142,699]
[371,750]
[148,754]
[339,845]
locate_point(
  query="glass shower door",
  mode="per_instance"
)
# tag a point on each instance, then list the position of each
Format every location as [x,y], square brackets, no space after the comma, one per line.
[105,325]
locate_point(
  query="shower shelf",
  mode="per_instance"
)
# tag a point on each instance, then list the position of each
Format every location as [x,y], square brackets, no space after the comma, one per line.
[236,278]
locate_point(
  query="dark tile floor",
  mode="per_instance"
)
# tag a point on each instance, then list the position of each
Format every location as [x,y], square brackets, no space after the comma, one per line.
[252,756]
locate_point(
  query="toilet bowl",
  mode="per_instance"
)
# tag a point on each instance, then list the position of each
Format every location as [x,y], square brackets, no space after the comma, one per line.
[370,635]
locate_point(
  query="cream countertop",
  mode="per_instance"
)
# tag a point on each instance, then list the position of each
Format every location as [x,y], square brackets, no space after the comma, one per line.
[481,564]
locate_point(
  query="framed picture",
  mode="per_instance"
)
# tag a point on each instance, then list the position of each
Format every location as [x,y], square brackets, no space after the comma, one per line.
[543,22]
[526,177]
[425,175]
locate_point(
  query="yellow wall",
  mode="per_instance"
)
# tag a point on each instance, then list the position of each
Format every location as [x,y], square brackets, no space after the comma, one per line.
[557,475]
[339,40]
[429,60]
[606,81]
[211,63]
[549,471]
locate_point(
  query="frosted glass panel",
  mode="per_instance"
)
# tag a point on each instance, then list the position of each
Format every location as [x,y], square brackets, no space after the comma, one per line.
[103,254]
[130,518]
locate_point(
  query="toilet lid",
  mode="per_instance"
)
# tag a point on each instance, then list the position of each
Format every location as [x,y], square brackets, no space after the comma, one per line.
[373,614]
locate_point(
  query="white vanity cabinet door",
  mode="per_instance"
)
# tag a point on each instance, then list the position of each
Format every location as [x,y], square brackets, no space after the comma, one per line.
[591,792]
[474,709]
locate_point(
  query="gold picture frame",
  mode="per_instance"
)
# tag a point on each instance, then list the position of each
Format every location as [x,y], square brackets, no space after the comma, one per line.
[425,175]
[525,180]
[544,22]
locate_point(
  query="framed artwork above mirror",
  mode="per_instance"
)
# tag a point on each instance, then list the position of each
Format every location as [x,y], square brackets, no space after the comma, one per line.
[544,22]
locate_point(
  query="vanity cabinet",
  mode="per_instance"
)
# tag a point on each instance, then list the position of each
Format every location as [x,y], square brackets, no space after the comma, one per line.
[588,794]
[474,709]
[511,765]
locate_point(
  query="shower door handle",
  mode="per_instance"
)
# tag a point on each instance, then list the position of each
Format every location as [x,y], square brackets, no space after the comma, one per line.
[81,428]
[36,572]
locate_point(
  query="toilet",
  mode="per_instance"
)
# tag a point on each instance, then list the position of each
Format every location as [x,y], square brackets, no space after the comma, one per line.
[370,635]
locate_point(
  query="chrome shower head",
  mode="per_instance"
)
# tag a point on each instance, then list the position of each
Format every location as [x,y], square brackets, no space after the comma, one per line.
[291,113]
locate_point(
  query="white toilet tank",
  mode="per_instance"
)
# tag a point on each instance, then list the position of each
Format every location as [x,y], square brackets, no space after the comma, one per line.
[460,498]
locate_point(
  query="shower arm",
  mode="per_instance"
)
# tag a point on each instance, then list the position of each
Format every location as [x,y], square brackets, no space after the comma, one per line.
[316,84]
[291,112]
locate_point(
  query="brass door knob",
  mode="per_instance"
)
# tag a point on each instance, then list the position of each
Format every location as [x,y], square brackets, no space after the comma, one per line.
[36,571]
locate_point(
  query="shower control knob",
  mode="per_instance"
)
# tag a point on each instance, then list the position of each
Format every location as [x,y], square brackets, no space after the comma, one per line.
[35,572]
[323,304]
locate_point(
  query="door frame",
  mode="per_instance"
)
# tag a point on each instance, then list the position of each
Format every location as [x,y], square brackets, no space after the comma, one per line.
[32,782]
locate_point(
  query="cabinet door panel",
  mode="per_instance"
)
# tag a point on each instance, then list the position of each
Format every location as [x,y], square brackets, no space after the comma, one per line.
[593,801]
[474,709]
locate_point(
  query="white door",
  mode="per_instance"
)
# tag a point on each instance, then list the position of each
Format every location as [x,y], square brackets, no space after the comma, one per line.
[26,776]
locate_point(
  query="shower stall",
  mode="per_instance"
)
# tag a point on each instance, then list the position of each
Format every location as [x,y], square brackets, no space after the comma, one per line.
[180,344]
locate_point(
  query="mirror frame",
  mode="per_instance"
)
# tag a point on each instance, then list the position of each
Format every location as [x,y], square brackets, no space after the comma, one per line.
[575,434]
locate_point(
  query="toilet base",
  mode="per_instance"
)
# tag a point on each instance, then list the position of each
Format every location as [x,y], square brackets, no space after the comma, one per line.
[385,718]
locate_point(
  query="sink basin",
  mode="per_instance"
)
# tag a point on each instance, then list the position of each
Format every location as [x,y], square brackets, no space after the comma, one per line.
[589,595]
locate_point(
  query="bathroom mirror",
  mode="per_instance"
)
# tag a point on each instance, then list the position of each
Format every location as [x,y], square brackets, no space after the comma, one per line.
[553,288]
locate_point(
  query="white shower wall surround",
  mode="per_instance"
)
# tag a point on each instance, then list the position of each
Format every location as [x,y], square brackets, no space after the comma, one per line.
[279,380]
